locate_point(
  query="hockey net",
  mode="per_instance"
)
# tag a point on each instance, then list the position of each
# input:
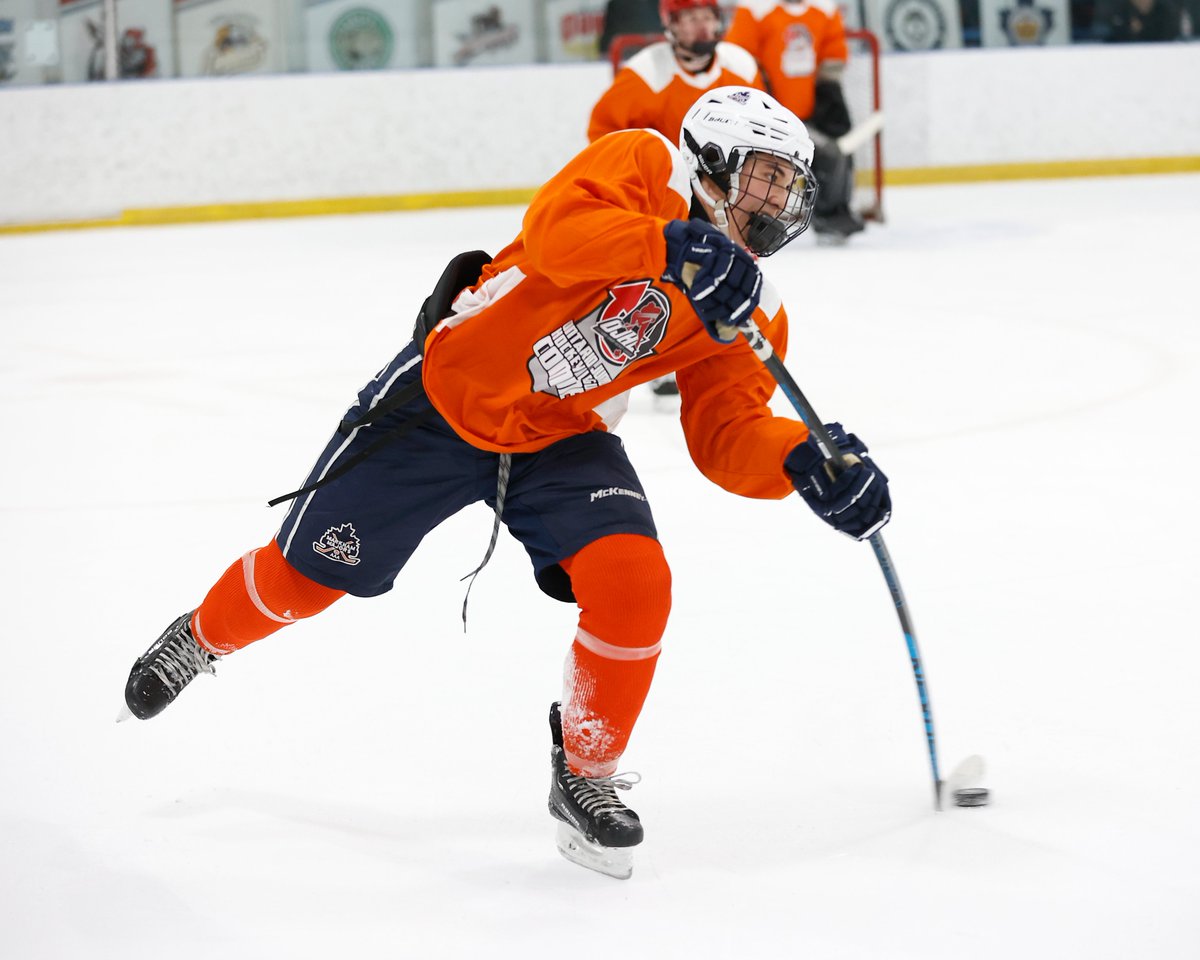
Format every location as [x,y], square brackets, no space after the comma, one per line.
[861,86]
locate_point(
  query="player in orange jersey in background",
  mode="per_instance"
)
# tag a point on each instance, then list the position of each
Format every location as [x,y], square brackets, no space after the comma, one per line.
[659,84]
[801,49]
[517,374]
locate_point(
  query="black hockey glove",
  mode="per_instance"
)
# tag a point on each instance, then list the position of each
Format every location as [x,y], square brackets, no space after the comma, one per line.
[855,501]
[726,287]
[830,114]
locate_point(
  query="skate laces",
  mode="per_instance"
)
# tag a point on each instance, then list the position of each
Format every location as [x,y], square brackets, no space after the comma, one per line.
[599,794]
[179,660]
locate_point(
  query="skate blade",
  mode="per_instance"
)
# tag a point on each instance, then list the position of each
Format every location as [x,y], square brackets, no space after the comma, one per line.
[125,714]
[616,862]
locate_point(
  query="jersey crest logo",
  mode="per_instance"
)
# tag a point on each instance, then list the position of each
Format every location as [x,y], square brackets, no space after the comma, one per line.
[633,321]
[593,350]
[340,544]
[799,57]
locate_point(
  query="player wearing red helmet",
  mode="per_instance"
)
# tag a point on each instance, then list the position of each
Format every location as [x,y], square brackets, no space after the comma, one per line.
[659,84]
[694,27]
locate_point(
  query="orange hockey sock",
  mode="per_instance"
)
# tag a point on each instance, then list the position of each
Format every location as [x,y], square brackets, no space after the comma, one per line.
[256,596]
[623,586]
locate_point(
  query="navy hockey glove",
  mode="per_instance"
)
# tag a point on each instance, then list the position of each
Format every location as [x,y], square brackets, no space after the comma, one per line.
[855,501]
[726,287]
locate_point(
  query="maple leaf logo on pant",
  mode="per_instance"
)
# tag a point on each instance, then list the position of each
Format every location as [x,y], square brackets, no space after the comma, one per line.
[340,544]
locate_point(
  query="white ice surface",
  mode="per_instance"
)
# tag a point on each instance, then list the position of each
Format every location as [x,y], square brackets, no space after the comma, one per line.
[1022,359]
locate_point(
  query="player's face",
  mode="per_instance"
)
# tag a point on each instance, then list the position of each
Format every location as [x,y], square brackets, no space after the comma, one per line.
[696,25]
[765,184]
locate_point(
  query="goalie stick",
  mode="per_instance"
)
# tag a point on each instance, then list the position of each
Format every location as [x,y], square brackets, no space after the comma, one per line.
[851,140]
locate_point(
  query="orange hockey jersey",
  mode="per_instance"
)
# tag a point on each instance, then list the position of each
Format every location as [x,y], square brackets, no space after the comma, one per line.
[573,313]
[790,41]
[653,91]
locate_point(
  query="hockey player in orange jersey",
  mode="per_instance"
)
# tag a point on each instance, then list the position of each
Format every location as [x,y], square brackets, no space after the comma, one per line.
[660,83]
[801,49]
[509,392]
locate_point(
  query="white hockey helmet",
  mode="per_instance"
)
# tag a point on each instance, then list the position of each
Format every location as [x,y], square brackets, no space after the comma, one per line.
[719,133]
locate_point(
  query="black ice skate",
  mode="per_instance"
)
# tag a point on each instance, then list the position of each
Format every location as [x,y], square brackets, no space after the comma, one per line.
[596,830]
[160,674]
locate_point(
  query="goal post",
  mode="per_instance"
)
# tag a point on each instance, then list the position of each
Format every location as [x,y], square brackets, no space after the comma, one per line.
[862,87]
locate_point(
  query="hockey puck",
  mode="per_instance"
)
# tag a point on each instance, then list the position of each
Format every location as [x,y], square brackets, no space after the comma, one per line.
[972,797]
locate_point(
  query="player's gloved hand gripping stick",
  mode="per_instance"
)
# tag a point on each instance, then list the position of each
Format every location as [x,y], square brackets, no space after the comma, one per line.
[835,461]
[848,492]
[721,280]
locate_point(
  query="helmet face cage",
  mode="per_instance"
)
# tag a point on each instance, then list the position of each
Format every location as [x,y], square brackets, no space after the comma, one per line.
[775,218]
[721,134]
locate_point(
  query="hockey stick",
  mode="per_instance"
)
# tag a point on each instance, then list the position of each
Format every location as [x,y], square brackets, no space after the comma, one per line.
[766,354]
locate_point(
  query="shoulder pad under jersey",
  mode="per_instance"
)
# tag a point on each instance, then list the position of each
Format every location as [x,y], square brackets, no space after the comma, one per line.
[655,64]
[737,60]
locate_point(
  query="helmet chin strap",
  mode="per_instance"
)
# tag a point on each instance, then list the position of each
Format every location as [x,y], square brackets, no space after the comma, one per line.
[720,216]
[721,212]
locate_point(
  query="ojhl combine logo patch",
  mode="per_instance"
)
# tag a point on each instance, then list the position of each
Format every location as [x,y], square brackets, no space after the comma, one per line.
[585,353]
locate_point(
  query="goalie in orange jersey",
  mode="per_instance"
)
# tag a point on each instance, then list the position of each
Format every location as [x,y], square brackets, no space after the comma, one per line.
[801,48]
[517,375]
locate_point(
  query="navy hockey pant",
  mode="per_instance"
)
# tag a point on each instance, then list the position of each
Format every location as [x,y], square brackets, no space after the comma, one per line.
[356,532]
